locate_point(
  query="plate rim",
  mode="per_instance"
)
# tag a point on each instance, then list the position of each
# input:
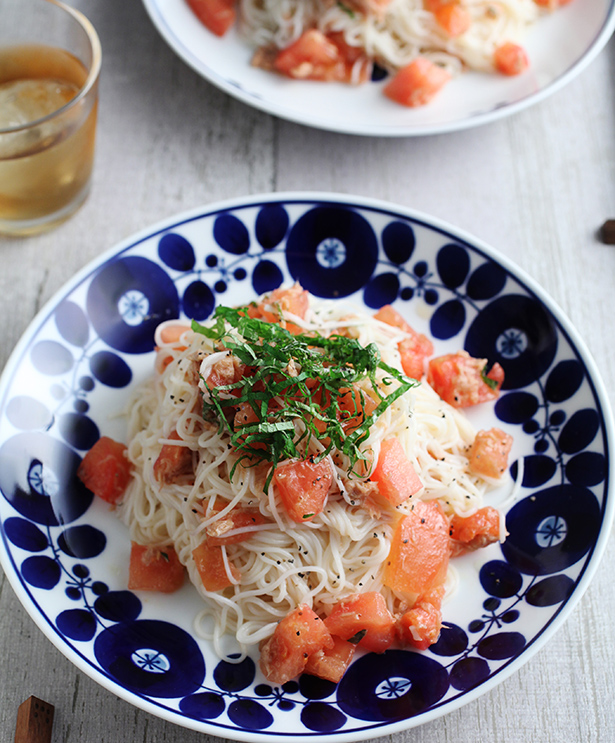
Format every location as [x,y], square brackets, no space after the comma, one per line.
[593,559]
[176,44]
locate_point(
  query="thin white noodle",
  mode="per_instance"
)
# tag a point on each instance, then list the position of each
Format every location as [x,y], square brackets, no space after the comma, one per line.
[341,551]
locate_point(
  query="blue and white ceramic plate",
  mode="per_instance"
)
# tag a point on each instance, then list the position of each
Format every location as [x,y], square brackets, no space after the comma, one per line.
[559,46]
[67,381]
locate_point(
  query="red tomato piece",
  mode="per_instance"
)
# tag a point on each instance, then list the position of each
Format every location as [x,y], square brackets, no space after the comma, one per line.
[510,59]
[285,654]
[395,474]
[105,470]
[217,15]
[173,461]
[421,625]
[461,380]
[551,4]
[419,553]
[488,455]
[238,518]
[331,663]
[417,83]
[413,350]
[154,569]
[294,300]
[303,486]
[210,564]
[355,405]
[225,371]
[363,619]
[469,533]
[454,19]
[311,57]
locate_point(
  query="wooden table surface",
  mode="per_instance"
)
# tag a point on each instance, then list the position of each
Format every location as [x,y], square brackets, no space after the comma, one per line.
[536,186]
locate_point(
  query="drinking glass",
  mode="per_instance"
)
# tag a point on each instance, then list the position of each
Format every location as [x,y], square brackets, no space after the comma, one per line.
[50,61]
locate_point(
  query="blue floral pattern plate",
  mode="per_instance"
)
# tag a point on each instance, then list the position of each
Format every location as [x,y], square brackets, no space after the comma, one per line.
[69,378]
[560,45]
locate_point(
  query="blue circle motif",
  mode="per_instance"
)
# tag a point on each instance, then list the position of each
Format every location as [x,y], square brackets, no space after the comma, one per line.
[127,651]
[341,227]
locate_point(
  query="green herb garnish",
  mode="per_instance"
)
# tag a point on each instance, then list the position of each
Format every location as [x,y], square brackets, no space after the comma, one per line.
[492,383]
[307,374]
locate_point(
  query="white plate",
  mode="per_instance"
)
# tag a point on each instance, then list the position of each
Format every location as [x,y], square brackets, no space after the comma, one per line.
[559,45]
[66,555]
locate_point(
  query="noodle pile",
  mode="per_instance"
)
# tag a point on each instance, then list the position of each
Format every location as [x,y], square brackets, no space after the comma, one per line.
[396,36]
[283,564]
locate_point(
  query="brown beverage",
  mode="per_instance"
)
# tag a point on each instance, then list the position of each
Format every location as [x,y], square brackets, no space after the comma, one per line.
[44,169]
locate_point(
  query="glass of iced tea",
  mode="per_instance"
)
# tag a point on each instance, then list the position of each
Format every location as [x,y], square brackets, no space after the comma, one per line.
[49,67]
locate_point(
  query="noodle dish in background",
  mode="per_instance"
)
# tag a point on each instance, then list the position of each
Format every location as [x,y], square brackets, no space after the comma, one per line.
[302,616]
[386,67]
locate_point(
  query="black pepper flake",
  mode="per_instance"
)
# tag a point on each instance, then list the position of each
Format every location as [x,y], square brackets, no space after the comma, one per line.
[422,521]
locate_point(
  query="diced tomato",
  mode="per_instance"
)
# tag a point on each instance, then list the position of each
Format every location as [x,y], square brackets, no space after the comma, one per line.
[459,379]
[453,18]
[237,518]
[510,59]
[303,486]
[413,350]
[488,455]
[474,532]
[419,553]
[363,619]
[154,569]
[311,57]
[209,562]
[293,300]
[226,370]
[285,654]
[421,625]
[173,461]
[357,65]
[105,469]
[417,83]
[389,315]
[394,473]
[217,15]
[551,4]
[331,663]
[355,405]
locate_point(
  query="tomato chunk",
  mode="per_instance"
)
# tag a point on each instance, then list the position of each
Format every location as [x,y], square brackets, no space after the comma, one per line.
[311,57]
[210,564]
[419,553]
[413,350]
[395,474]
[469,533]
[453,18]
[217,15]
[154,569]
[300,634]
[173,461]
[461,380]
[510,59]
[417,83]
[303,486]
[331,663]
[421,625]
[355,406]
[238,518]
[363,619]
[105,470]
[488,455]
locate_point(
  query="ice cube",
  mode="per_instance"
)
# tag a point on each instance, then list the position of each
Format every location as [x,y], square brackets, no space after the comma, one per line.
[24,101]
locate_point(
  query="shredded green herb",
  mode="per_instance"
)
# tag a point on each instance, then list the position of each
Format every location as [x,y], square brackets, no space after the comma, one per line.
[346,9]
[492,383]
[307,374]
